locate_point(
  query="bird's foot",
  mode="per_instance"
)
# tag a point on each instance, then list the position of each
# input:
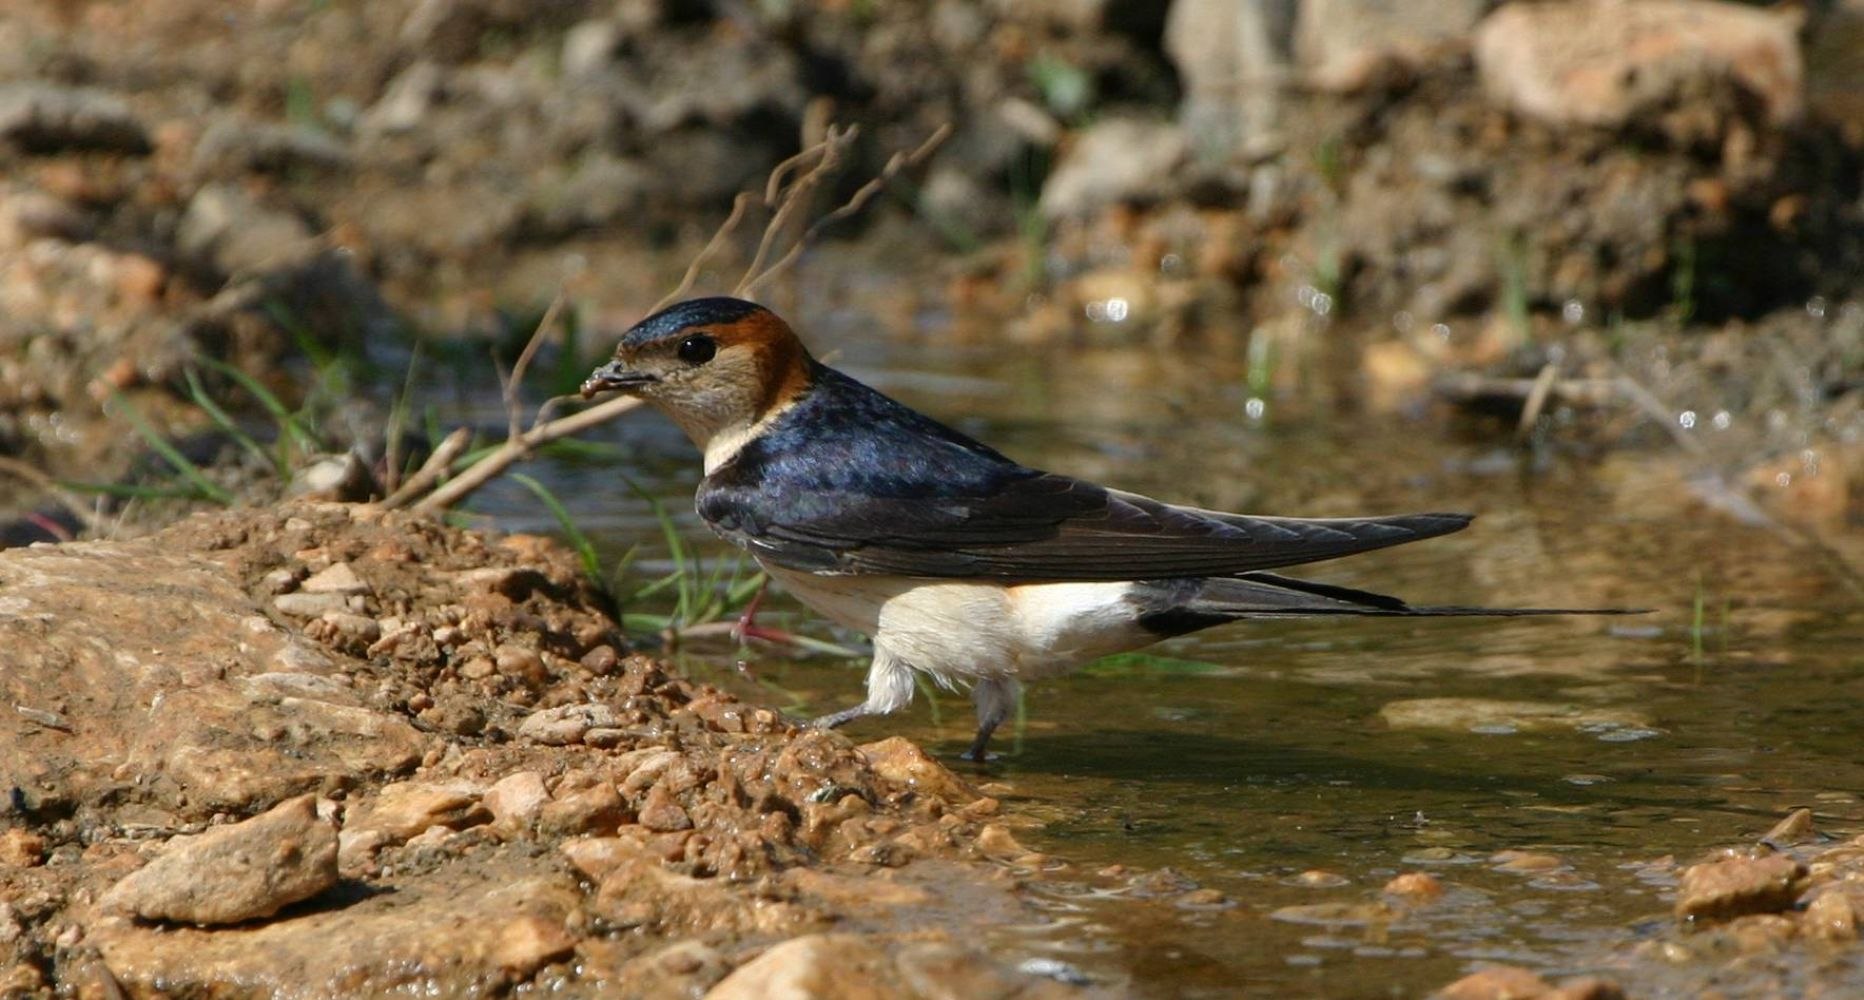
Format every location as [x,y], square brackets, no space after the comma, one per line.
[835,720]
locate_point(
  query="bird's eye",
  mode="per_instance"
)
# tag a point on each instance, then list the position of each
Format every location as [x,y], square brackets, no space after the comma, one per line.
[697,350]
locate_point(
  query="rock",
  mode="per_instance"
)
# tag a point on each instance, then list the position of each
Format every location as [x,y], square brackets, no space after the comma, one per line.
[405,809]
[662,812]
[1732,887]
[1342,45]
[1832,916]
[310,605]
[467,935]
[814,967]
[1794,828]
[226,713]
[516,799]
[901,761]
[565,724]
[29,215]
[589,47]
[1114,161]
[596,809]
[1232,60]
[1419,886]
[42,118]
[1607,62]
[338,578]
[236,873]
[1483,715]
[1497,982]
[232,146]
[227,230]
[21,848]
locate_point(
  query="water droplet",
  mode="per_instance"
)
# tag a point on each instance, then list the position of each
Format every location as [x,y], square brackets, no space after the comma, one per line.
[1254,408]
[1783,479]
[1403,321]
[1574,312]
[1117,310]
[1171,263]
[1305,296]
[1687,419]
[1096,311]
[1442,330]
[1815,307]
[1722,420]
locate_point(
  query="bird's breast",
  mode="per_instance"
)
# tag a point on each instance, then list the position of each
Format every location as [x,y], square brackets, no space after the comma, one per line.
[970,628]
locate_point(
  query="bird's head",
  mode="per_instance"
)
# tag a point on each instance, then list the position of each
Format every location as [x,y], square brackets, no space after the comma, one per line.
[719,367]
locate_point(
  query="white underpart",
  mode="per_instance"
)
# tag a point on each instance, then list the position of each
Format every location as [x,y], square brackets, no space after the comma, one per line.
[962,632]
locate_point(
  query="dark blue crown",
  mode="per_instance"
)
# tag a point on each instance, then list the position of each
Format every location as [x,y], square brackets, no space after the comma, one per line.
[719,310]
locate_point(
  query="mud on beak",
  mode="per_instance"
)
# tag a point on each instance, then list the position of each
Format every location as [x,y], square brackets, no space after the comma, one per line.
[614,376]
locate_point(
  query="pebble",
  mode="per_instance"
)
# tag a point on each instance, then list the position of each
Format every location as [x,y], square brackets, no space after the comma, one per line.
[1731,887]
[1833,916]
[565,724]
[21,848]
[405,809]
[308,605]
[338,578]
[236,873]
[1415,885]
[516,799]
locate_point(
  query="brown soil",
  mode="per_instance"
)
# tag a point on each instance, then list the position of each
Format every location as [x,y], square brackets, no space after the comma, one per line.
[519,798]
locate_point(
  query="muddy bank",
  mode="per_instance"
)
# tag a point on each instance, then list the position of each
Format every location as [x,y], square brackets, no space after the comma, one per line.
[325,751]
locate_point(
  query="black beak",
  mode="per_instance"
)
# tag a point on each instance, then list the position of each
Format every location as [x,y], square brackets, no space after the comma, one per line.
[613,376]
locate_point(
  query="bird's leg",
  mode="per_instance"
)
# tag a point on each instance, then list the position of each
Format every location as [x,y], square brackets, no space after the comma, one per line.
[889,689]
[994,697]
[747,627]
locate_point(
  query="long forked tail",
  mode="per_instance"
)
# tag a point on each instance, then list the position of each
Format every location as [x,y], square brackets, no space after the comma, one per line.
[1179,606]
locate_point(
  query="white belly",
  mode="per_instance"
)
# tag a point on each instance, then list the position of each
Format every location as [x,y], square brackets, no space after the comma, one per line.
[964,630]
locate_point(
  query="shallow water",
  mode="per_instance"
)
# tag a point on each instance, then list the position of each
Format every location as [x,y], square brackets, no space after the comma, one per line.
[1259,761]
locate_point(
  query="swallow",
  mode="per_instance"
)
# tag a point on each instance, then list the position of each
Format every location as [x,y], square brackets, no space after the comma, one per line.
[957,561]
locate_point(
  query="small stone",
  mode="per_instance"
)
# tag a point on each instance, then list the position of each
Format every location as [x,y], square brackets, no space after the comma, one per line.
[901,761]
[597,809]
[21,848]
[662,814]
[41,118]
[516,799]
[1315,878]
[601,661]
[1833,916]
[823,966]
[1116,160]
[306,605]
[406,808]
[565,724]
[995,840]
[1795,828]
[235,873]
[1419,886]
[1731,887]
[478,668]
[339,578]
[1497,982]
[1525,862]
[520,663]
[360,628]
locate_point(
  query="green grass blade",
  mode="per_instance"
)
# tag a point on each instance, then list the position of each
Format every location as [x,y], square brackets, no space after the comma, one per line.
[591,562]
[199,395]
[209,490]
